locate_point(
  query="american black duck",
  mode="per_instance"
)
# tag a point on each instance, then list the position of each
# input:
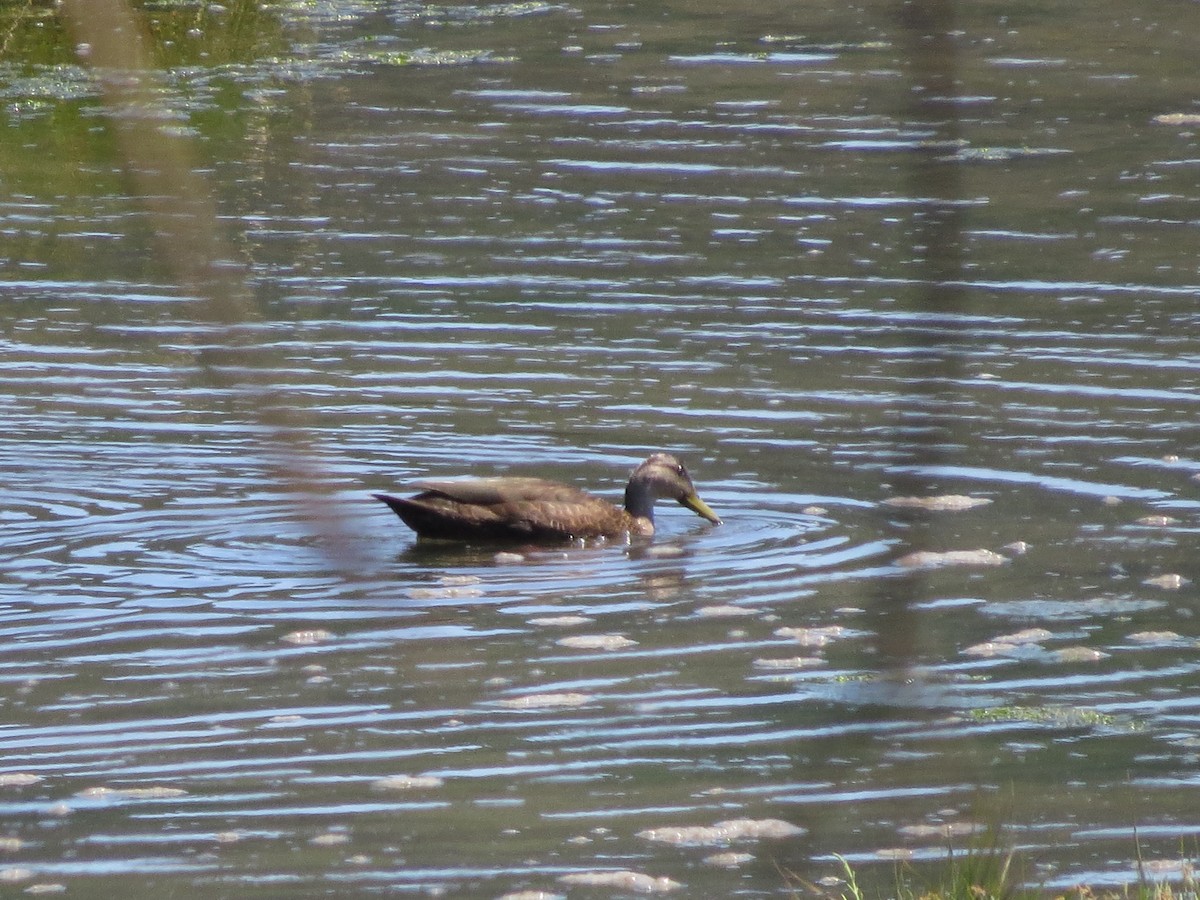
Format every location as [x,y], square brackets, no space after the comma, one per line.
[536,510]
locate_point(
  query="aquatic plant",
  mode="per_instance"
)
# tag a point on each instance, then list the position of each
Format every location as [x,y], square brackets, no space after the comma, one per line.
[986,870]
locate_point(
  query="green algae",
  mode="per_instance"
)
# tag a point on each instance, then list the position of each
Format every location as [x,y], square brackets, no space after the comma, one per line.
[1055,716]
[423,56]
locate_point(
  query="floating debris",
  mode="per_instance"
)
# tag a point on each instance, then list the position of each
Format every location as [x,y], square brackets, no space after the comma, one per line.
[665,551]
[1177,119]
[813,637]
[727,832]
[444,593]
[457,580]
[729,860]
[561,621]
[406,783]
[18,779]
[1026,636]
[1064,716]
[1008,644]
[148,793]
[1079,654]
[790,662]
[537,701]
[1164,868]
[1155,637]
[330,839]
[634,882]
[419,57]
[1157,521]
[12,844]
[943,503]
[1169,582]
[1003,154]
[990,649]
[532,895]
[724,612]
[928,559]
[596,642]
[307,637]
[505,558]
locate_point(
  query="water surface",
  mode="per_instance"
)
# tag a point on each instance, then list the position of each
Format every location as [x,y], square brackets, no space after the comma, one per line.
[541,239]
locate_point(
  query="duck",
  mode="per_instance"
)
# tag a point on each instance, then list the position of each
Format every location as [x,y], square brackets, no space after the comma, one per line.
[535,510]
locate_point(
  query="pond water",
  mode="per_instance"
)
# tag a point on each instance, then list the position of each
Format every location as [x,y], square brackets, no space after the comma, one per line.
[827,261]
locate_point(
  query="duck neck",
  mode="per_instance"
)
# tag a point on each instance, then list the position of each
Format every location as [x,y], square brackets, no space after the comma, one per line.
[639,503]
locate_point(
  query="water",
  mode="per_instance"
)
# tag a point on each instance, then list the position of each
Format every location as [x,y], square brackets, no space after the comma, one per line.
[550,240]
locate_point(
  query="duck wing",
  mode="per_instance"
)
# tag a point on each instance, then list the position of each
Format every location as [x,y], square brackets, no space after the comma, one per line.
[501,490]
[507,509]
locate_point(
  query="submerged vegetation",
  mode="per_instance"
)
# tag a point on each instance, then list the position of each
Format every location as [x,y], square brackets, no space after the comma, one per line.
[1060,716]
[179,34]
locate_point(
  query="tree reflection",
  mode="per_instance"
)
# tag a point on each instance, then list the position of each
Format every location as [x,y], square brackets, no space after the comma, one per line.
[928,422]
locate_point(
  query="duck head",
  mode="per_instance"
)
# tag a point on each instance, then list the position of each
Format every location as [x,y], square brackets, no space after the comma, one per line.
[663,476]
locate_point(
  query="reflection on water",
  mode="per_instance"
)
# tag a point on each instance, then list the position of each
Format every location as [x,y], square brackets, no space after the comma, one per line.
[584,236]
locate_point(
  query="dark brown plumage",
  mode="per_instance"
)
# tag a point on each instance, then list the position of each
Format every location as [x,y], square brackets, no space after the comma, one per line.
[536,510]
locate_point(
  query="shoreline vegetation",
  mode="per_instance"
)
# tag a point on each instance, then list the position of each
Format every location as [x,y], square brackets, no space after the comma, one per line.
[992,872]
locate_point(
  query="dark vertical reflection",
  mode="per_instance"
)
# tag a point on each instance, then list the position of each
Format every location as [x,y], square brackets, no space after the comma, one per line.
[925,427]
[928,27]
[112,39]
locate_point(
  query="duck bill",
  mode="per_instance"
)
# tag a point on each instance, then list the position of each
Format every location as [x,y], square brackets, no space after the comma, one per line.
[700,508]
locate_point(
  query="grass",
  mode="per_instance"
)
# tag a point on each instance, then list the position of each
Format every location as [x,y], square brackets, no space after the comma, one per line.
[988,871]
